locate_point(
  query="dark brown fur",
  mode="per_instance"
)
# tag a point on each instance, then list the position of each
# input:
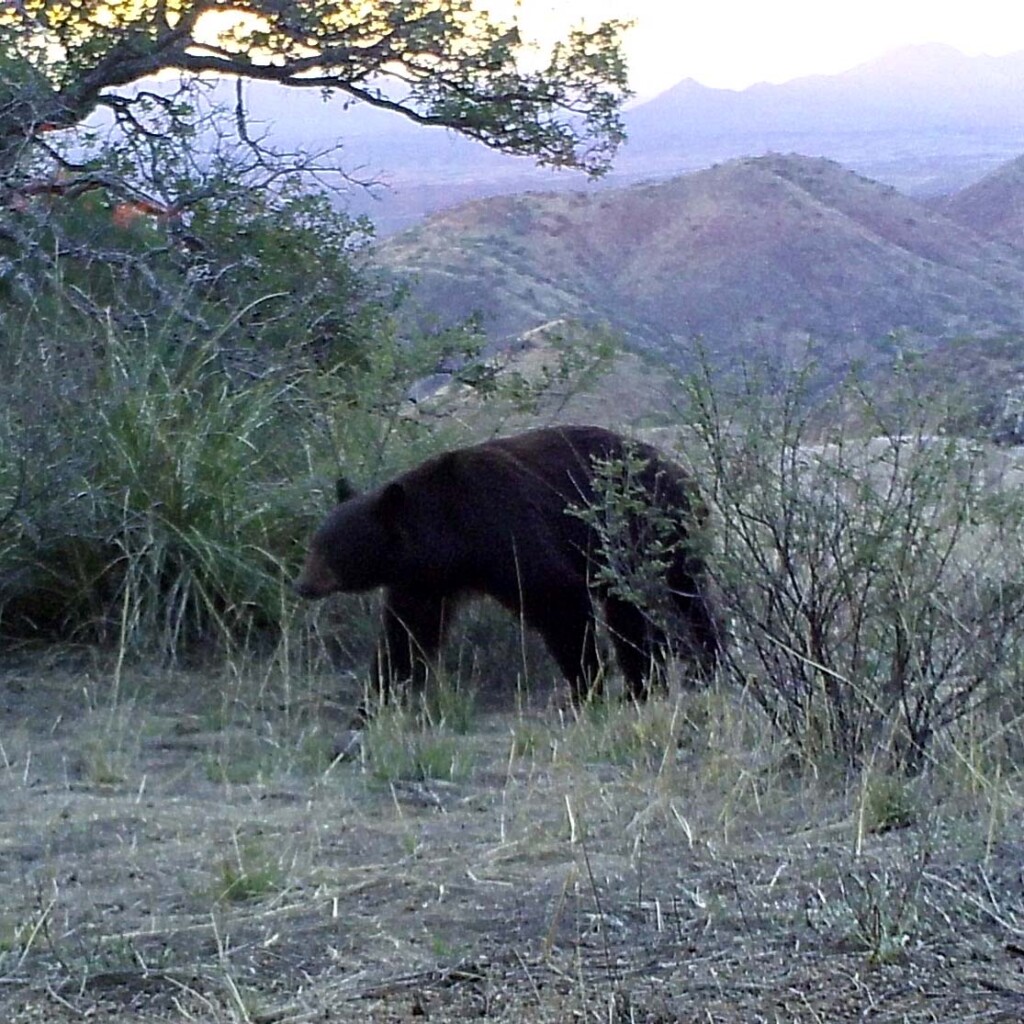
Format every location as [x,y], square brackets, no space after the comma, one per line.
[492,519]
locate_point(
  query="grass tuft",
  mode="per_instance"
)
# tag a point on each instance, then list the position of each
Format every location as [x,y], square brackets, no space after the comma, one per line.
[250,874]
[399,745]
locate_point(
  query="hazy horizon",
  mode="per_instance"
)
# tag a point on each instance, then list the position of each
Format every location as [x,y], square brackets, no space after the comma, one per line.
[734,44]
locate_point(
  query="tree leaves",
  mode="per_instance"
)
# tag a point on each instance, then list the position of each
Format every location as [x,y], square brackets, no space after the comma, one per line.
[437,62]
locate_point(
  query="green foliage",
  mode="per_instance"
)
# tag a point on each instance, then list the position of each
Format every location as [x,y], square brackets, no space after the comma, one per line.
[639,539]
[458,68]
[174,399]
[884,907]
[888,802]
[278,271]
[626,734]
[644,539]
[250,874]
[192,342]
[192,338]
[874,582]
[162,495]
[400,745]
[165,453]
[284,268]
[161,481]
[450,704]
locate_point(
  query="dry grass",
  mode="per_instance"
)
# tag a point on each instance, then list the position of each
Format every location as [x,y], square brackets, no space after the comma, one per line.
[186,848]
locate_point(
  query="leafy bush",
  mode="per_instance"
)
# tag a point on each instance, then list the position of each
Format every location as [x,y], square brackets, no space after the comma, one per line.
[159,477]
[177,388]
[875,581]
[154,502]
[192,342]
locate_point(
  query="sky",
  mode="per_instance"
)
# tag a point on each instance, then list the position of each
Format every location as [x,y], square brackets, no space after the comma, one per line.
[732,44]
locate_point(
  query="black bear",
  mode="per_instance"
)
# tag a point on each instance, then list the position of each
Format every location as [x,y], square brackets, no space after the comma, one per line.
[533,522]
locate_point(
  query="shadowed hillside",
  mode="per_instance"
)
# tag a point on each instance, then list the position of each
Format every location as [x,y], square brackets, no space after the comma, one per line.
[993,206]
[760,256]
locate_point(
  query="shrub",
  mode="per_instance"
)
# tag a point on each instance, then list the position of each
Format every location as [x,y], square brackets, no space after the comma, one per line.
[875,582]
[155,505]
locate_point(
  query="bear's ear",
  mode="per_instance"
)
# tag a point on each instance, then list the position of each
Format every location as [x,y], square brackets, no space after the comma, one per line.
[390,504]
[343,490]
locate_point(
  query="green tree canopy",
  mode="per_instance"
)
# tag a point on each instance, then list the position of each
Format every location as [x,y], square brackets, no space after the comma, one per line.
[438,62]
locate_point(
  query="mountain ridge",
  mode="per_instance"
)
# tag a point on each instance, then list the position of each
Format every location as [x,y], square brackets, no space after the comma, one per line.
[926,119]
[993,206]
[913,88]
[778,254]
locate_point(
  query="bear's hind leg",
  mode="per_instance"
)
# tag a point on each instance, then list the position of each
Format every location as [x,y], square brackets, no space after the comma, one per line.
[701,639]
[566,622]
[640,645]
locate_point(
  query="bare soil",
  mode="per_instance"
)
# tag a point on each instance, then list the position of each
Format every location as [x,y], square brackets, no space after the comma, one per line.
[184,847]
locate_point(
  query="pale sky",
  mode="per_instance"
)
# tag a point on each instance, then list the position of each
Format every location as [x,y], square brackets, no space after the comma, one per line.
[735,43]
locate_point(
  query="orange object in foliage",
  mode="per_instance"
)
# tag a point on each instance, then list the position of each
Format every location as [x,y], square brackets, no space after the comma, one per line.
[133,210]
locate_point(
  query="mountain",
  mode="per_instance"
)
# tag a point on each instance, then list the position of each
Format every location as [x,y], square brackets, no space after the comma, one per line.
[993,207]
[911,88]
[926,119]
[764,255]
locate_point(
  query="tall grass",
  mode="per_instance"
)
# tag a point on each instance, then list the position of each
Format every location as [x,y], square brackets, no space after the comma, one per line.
[194,470]
[157,488]
[161,497]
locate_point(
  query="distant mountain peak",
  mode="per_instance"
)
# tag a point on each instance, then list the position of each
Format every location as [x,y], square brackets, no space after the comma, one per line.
[915,90]
[914,59]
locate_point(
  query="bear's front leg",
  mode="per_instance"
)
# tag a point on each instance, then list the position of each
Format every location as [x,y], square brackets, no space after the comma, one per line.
[414,626]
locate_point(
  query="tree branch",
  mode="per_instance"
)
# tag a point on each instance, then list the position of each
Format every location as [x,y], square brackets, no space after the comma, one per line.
[460,69]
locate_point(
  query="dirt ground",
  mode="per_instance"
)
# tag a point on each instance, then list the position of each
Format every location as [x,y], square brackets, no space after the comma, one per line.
[184,847]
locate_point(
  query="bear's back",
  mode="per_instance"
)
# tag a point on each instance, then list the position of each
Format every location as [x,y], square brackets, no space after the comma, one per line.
[558,459]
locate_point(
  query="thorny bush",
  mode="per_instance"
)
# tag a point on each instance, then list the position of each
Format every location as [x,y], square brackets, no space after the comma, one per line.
[874,576]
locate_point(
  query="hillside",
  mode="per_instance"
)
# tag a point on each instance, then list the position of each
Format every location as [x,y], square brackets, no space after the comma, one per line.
[755,256]
[993,206]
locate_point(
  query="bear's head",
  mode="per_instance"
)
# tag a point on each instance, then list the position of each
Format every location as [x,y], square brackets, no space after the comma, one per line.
[353,548]
[394,535]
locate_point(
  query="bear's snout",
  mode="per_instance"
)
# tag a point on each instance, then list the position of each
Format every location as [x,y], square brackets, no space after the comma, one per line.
[304,589]
[315,581]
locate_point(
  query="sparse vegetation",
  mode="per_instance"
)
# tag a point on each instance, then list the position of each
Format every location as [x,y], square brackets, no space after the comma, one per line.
[760,254]
[874,579]
[831,828]
[249,872]
[612,859]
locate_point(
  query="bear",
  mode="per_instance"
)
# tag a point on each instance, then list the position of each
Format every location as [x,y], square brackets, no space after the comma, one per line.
[527,520]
